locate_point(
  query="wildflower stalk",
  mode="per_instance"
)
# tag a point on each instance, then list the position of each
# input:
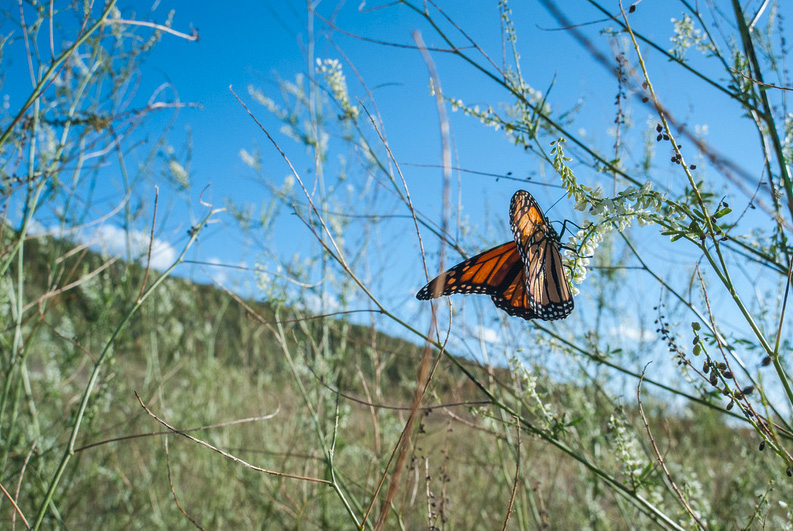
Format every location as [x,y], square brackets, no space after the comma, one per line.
[99,365]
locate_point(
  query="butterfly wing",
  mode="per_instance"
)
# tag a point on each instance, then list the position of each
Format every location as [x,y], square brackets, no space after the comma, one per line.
[488,272]
[514,299]
[547,290]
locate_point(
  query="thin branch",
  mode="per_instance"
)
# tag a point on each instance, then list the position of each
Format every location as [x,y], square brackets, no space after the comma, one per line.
[516,481]
[51,74]
[193,36]
[19,482]
[784,306]
[226,454]
[426,368]
[173,491]
[760,83]
[151,241]
[82,280]
[189,430]
[659,457]
[383,43]
[88,391]
[17,510]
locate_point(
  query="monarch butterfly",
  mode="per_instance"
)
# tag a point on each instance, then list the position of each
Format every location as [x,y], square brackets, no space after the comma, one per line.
[524,277]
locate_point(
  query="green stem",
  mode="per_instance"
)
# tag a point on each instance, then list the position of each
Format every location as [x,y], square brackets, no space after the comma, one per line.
[98,365]
[765,111]
[589,151]
[49,75]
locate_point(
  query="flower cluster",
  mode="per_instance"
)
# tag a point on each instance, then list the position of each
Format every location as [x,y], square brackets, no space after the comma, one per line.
[530,381]
[787,144]
[519,121]
[334,77]
[685,36]
[614,214]
[627,449]
[617,213]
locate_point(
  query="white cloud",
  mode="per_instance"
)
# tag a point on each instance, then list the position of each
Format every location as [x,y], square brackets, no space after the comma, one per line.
[313,303]
[222,274]
[633,333]
[112,240]
[488,335]
[36,228]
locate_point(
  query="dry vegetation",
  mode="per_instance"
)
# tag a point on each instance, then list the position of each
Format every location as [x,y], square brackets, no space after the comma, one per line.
[328,422]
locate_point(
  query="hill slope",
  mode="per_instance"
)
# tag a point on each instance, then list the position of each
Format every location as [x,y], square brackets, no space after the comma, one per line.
[198,357]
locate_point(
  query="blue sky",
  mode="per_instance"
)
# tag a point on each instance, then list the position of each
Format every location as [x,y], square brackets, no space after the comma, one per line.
[253,43]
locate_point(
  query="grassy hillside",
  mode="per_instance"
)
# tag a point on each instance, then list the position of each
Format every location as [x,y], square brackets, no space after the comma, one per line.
[198,358]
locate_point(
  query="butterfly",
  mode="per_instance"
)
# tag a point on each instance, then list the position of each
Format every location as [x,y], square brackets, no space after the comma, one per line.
[524,277]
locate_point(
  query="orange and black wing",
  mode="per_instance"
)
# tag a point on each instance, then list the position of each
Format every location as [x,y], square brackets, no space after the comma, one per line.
[488,273]
[514,299]
[498,272]
[547,290]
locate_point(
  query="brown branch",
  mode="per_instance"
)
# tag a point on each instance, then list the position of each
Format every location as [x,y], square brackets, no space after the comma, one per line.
[517,477]
[173,491]
[744,404]
[16,507]
[19,483]
[190,430]
[226,454]
[427,368]
[756,82]
[72,285]
[151,242]
[660,458]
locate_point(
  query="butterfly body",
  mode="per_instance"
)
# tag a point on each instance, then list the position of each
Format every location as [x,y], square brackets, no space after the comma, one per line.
[524,277]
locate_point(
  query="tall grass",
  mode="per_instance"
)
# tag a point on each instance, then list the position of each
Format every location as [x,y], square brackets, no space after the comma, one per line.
[725,227]
[335,403]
